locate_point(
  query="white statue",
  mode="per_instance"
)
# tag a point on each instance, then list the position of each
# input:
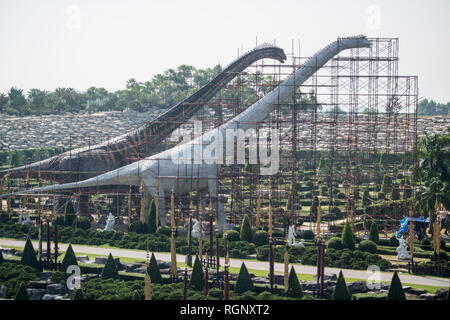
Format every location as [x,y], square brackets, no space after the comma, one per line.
[291,238]
[402,249]
[194,231]
[110,222]
[24,219]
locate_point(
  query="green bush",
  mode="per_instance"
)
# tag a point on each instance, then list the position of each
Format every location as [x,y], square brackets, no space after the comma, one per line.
[13,274]
[69,259]
[152,217]
[82,223]
[233,235]
[139,227]
[374,234]
[396,289]
[110,270]
[341,291]
[154,272]
[69,214]
[261,238]
[78,295]
[308,235]
[367,246]
[246,233]
[294,284]
[393,242]
[197,281]
[29,256]
[334,243]
[165,230]
[348,239]
[22,293]
[243,282]
[1,257]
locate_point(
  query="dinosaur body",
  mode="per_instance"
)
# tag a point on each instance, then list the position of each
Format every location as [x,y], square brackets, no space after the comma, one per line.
[163,168]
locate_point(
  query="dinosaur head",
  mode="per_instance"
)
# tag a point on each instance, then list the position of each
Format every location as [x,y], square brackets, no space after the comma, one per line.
[359,41]
[270,51]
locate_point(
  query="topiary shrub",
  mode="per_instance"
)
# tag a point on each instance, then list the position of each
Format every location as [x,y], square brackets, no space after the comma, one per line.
[261,238]
[396,289]
[165,230]
[154,272]
[425,244]
[381,196]
[78,295]
[374,234]
[82,223]
[29,256]
[294,285]
[395,195]
[139,227]
[197,281]
[246,233]
[368,246]
[341,291]
[69,259]
[69,214]
[348,239]
[334,243]
[233,235]
[243,282]
[308,235]
[393,242]
[110,270]
[22,293]
[152,218]
[1,257]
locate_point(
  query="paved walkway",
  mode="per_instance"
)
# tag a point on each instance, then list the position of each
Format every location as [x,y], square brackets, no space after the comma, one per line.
[257,265]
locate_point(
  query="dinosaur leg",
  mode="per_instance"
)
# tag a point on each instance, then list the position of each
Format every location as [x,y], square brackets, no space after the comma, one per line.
[217,205]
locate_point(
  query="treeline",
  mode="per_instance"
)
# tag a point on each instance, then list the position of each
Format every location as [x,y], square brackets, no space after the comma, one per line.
[162,91]
[431,108]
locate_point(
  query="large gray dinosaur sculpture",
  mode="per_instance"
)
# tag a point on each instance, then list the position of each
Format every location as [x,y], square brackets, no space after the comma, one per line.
[108,155]
[165,167]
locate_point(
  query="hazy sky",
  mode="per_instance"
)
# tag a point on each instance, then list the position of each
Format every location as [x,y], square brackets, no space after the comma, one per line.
[47,43]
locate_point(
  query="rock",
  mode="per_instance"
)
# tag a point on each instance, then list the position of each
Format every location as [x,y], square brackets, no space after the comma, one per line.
[278,279]
[310,285]
[45,275]
[163,264]
[357,287]
[129,266]
[41,284]
[428,296]
[8,251]
[140,270]
[406,289]
[18,253]
[417,292]
[3,292]
[83,259]
[52,297]
[56,288]
[260,280]
[165,271]
[35,294]
[100,260]
[441,293]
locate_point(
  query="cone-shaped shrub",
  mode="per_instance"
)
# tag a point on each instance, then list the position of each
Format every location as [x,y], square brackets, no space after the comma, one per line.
[1,257]
[348,240]
[152,218]
[153,271]
[136,295]
[110,269]
[448,294]
[341,291]
[294,284]
[246,230]
[78,295]
[243,282]
[69,214]
[69,259]
[29,256]
[22,293]
[374,234]
[197,278]
[396,289]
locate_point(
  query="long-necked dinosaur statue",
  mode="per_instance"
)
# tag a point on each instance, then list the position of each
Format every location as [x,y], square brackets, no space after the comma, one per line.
[86,162]
[172,175]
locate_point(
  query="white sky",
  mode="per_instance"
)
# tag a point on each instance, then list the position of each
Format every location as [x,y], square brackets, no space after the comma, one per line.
[47,43]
